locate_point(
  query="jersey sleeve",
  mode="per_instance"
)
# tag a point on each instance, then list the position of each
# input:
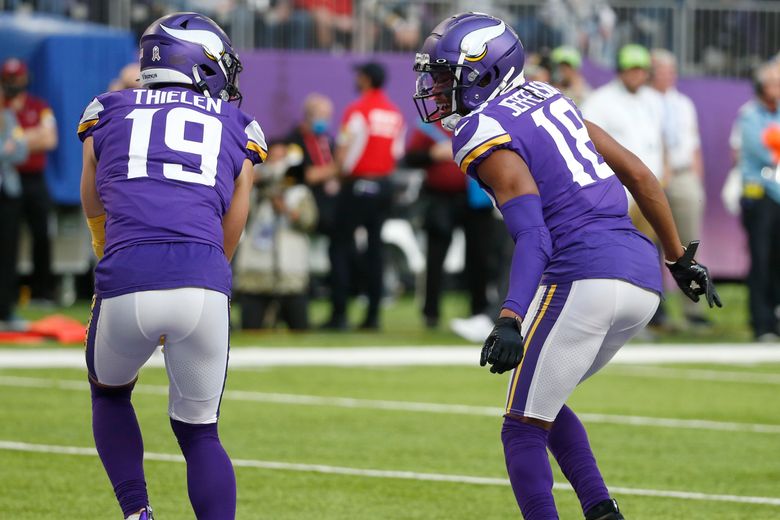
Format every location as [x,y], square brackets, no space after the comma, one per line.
[475,138]
[256,147]
[90,118]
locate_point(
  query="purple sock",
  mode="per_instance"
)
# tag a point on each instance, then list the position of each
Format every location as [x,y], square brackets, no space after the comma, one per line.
[211,482]
[119,444]
[525,450]
[569,445]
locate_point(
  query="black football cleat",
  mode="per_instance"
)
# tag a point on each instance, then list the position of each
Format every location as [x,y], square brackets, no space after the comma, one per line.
[605,510]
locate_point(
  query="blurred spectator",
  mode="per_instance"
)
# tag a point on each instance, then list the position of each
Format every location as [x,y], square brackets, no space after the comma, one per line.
[128,78]
[632,113]
[310,152]
[40,132]
[685,184]
[588,25]
[756,142]
[285,27]
[451,201]
[272,264]
[566,76]
[13,150]
[392,25]
[538,67]
[332,21]
[369,143]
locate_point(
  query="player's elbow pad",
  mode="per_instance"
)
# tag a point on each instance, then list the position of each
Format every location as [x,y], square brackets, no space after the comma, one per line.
[97,228]
[533,248]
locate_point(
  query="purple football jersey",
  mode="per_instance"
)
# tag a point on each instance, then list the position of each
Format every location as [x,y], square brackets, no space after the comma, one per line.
[167,163]
[583,203]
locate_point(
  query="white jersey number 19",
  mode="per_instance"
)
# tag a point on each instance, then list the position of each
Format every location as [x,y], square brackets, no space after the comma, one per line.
[175,121]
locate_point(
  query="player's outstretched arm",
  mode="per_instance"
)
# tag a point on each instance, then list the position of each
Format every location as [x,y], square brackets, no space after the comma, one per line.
[644,187]
[517,196]
[692,277]
[235,219]
[90,200]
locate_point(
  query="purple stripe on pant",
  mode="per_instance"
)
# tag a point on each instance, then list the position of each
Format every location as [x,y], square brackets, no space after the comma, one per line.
[550,308]
[91,333]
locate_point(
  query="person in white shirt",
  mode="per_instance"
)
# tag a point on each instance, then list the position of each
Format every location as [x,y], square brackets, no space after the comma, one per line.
[684,187]
[629,110]
[632,113]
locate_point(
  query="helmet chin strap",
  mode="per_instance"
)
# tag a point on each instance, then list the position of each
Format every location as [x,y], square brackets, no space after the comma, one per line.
[200,84]
[506,85]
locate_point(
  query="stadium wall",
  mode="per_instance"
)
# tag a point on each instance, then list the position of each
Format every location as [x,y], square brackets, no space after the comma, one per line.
[275,83]
[69,63]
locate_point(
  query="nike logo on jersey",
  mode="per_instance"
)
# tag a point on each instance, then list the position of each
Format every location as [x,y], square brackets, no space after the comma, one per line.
[461,127]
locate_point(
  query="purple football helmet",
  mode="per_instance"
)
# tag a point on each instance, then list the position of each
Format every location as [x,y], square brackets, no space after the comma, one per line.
[190,49]
[468,59]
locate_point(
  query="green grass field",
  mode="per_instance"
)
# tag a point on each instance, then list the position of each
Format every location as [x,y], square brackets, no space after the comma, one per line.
[723,440]
[702,460]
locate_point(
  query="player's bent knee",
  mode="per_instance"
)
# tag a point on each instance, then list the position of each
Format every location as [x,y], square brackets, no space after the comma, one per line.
[187,433]
[99,389]
[194,412]
[545,425]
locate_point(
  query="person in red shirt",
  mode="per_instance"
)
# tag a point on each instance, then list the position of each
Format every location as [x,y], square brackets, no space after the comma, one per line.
[370,142]
[450,202]
[333,21]
[40,132]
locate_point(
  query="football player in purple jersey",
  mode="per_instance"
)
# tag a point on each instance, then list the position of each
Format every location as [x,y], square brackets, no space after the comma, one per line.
[583,279]
[165,189]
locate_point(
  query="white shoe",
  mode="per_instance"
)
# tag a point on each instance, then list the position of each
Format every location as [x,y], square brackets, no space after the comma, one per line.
[474,329]
[768,337]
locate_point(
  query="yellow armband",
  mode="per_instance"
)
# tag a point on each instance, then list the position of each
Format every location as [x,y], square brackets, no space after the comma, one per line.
[97,228]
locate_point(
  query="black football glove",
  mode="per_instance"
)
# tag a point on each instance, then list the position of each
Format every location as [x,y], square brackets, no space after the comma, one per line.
[503,348]
[694,278]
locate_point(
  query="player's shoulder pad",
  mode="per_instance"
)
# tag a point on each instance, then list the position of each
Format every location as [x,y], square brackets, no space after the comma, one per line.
[97,108]
[475,136]
[256,147]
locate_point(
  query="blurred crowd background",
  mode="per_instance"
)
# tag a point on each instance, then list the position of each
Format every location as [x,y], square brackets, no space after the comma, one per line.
[357,197]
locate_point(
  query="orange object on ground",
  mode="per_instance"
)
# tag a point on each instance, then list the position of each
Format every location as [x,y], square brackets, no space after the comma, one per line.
[21,338]
[60,328]
[57,327]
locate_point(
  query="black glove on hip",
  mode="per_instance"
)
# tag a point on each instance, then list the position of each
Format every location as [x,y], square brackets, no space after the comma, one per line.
[503,348]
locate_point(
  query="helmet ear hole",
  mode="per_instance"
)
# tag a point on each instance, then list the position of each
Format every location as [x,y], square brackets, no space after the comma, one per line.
[207,71]
[486,79]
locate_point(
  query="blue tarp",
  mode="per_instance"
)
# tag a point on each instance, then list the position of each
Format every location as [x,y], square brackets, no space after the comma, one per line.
[70,63]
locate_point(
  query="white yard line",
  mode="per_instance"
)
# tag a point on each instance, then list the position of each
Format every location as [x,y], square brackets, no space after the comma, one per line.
[731,354]
[406,406]
[390,474]
[720,376]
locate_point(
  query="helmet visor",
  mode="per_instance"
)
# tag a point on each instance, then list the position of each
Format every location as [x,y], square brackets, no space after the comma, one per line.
[434,94]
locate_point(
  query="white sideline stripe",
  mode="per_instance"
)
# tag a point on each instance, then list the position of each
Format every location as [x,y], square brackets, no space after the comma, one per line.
[379,473]
[731,354]
[696,374]
[408,406]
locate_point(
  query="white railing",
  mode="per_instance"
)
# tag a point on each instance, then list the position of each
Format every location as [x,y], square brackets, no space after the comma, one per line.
[712,37]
